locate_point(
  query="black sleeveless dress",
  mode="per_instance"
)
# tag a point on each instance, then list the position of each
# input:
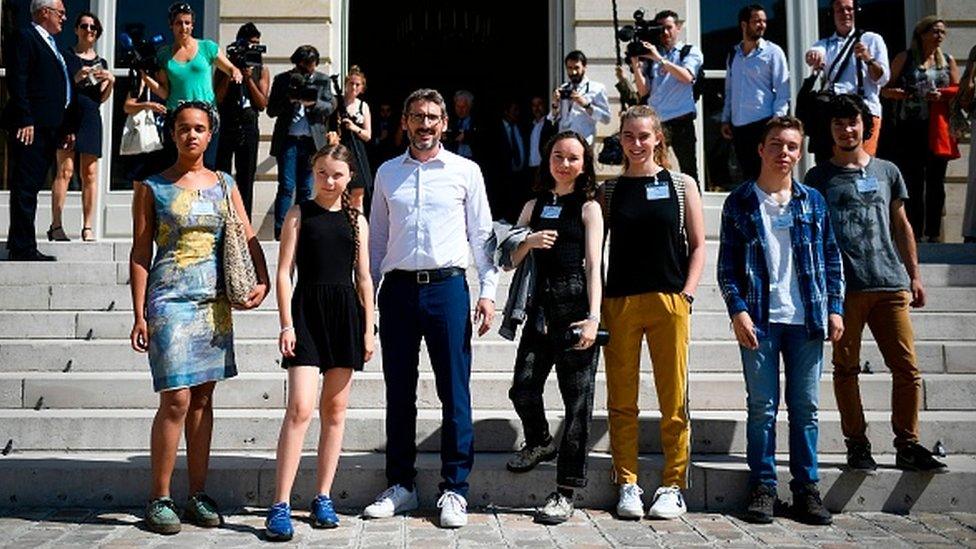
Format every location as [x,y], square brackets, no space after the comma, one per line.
[325,307]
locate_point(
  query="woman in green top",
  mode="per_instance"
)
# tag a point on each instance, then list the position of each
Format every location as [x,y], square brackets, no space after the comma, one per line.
[186,68]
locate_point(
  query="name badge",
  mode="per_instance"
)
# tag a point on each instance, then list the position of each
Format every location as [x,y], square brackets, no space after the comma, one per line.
[201,207]
[551,212]
[784,221]
[867,184]
[657,192]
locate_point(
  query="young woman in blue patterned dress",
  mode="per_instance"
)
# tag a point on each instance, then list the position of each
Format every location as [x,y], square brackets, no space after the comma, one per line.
[182,314]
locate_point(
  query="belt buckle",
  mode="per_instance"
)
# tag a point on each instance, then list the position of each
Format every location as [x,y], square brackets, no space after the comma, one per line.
[423,277]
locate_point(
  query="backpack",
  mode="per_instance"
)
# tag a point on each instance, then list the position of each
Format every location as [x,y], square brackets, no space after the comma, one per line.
[678,180]
[699,86]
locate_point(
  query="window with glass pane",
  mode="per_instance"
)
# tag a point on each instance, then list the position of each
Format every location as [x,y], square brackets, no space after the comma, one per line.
[147,18]
[720,32]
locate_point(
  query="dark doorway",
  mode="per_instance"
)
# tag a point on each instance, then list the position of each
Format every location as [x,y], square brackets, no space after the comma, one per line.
[496,50]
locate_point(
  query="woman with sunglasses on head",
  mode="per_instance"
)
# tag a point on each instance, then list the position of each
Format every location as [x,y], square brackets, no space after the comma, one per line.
[92,86]
[186,68]
[922,78]
[182,312]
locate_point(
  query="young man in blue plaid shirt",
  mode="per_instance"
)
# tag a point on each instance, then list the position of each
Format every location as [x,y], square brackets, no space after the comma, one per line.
[782,278]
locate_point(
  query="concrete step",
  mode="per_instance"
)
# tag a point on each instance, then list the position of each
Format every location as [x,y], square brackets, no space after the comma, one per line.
[708,391]
[118,297]
[705,325]
[717,483]
[713,432]
[109,273]
[954,265]
[494,355]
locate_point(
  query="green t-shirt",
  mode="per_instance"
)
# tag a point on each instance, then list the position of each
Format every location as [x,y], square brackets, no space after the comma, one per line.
[193,80]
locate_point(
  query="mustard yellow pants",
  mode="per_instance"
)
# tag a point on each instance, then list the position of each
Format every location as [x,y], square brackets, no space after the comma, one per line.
[664,319]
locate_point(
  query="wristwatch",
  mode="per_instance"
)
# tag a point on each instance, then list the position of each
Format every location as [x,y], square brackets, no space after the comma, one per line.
[688,297]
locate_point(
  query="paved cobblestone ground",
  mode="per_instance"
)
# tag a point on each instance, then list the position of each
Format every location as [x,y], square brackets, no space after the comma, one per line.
[492,528]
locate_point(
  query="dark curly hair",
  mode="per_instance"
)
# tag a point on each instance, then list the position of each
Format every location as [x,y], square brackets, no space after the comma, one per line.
[585,181]
[849,105]
[208,108]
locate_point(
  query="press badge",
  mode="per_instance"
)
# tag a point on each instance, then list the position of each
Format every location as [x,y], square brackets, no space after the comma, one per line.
[867,184]
[657,191]
[551,212]
[202,207]
[784,221]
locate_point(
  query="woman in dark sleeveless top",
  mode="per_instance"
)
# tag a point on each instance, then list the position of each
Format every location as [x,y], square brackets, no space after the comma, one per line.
[567,231]
[323,328]
[922,77]
[657,253]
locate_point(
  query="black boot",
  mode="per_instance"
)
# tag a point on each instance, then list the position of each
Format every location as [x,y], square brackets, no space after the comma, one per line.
[807,506]
[859,457]
[762,500]
[916,457]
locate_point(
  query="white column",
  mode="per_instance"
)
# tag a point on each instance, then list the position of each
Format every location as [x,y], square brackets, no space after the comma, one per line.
[801,32]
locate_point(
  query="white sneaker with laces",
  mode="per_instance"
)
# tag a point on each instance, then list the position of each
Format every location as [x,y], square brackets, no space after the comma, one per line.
[668,503]
[394,500]
[629,503]
[454,510]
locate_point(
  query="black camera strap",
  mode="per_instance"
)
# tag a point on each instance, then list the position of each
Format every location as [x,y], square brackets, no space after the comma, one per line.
[844,58]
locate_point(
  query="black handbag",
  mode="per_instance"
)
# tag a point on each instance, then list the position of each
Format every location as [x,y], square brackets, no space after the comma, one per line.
[612,153]
[811,104]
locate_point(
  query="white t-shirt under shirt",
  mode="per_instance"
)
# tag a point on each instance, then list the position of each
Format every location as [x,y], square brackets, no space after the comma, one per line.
[785,301]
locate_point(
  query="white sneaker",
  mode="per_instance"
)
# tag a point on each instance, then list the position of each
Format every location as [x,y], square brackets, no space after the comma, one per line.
[629,503]
[454,510]
[668,503]
[394,500]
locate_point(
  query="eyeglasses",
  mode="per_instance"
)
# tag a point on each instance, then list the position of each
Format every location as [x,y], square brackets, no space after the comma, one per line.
[420,117]
[89,27]
[61,13]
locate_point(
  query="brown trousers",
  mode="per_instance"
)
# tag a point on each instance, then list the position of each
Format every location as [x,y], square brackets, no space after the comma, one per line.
[886,313]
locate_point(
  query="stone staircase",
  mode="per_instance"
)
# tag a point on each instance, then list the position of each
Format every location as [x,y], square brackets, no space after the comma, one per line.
[76,402]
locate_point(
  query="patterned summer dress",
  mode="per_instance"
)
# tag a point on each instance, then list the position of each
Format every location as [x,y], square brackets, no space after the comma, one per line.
[191,338]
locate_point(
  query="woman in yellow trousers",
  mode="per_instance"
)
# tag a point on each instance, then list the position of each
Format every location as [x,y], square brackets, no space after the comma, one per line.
[656,256]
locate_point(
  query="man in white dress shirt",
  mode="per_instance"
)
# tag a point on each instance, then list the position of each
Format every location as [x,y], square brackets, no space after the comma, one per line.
[579,103]
[429,213]
[864,74]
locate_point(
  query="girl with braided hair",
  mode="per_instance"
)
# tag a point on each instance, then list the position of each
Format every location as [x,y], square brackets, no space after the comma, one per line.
[324,320]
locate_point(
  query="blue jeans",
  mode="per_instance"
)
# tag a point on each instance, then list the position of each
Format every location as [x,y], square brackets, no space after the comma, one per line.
[803,362]
[438,312]
[293,170]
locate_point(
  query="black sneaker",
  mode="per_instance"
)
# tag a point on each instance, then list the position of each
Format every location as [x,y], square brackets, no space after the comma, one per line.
[859,457]
[762,501]
[807,506]
[915,457]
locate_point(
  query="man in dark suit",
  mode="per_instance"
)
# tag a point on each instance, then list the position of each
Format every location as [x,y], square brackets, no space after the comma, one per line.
[508,175]
[301,100]
[461,137]
[36,119]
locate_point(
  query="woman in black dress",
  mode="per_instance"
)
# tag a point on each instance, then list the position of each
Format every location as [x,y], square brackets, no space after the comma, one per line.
[355,132]
[92,86]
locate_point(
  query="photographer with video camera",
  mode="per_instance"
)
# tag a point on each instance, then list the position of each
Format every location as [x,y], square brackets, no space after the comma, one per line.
[579,103]
[185,71]
[302,101]
[238,106]
[666,71]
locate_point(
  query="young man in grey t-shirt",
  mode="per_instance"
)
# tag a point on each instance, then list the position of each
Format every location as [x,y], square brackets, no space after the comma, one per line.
[865,197]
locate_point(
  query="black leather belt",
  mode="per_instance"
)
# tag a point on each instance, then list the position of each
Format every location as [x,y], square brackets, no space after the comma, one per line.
[426,277]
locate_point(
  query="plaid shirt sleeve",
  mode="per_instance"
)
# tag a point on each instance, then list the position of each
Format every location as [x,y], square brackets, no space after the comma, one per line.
[833,263]
[730,254]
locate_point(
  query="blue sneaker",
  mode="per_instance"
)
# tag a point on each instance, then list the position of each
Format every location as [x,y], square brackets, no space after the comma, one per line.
[323,513]
[278,524]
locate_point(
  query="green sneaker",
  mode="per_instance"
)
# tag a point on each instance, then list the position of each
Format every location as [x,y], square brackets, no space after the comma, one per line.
[202,511]
[161,516]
